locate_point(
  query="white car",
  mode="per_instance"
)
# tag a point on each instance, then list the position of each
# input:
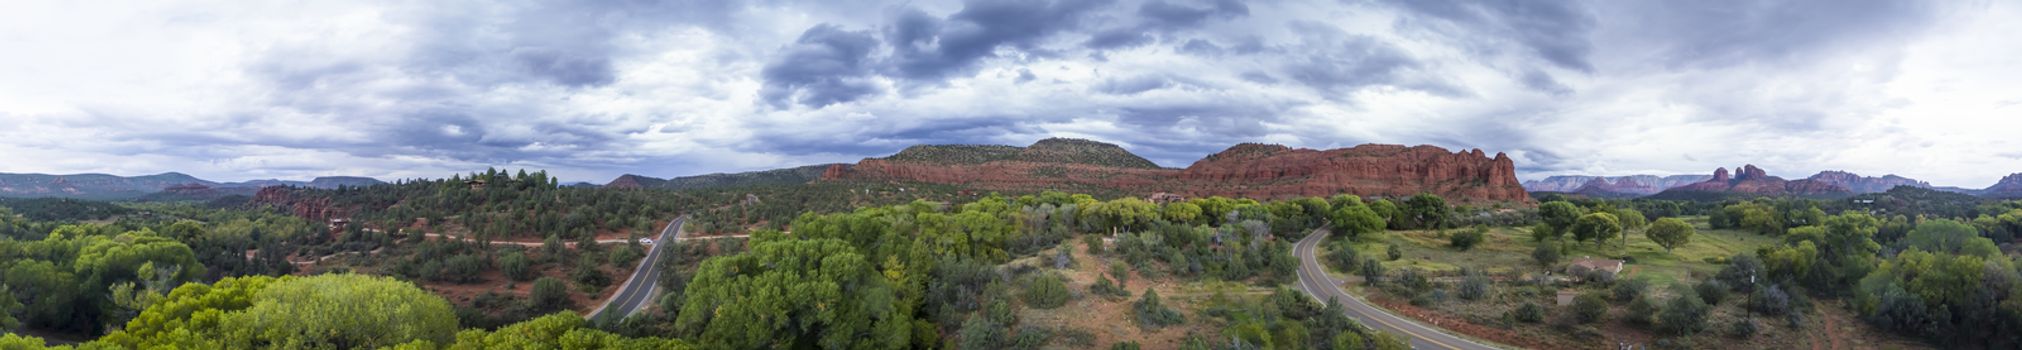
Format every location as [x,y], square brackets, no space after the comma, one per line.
[647,241]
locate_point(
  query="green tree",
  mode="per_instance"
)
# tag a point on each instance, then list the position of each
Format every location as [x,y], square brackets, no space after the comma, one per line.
[1046,291]
[342,311]
[1670,233]
[1546,254]
[1389,211]
[8,307]
[1153,314]
[1559,216]
[561,330]
[1181,212]
[1951,236]
[1589,307]
[1597,227]
[1355,221]
[1685,315]
[549,294]
[1426,210]
[516,266]
[794,293]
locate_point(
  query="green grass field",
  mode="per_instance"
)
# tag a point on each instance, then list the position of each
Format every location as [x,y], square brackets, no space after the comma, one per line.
[1507,250]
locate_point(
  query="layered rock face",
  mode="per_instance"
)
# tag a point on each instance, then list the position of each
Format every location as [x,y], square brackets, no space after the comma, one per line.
[315,209]
[2008,187]
[1750,180]
[1860,184]
[1246,170]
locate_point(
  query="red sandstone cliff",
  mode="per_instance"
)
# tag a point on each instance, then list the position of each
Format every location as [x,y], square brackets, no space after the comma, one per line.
[315,209]
[1750,180]
[1246,170]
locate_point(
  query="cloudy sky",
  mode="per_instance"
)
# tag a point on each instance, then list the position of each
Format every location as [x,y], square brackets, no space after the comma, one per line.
[234,90]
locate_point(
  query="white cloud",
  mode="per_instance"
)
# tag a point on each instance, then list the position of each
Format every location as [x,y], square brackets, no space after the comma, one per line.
[234,91]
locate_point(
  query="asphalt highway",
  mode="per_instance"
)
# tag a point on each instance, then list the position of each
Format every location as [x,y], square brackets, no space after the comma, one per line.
[1314,281]
[639,290]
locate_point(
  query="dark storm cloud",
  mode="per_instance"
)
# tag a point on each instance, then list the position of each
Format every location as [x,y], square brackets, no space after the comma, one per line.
[1160,14]
[1714,34]
[1556,31]
[827,65]
[930,49]
[1338,63]
[1119,39]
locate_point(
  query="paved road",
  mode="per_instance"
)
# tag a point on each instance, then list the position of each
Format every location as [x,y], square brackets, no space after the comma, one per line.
[639,290]
[1313,280]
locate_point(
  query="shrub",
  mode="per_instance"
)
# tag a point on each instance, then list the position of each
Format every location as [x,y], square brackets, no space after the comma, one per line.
[1685,315]
[1344,256]
[1394,252]
[1712,291]
[549,294]
[1546,254]
[1119,271]
[1413,281]
[1372,271]
[1104,287]
[1641,311]
[1474,286]
[1770,301]
[516,266]
[1094,243]
[627,254]
[1530,313]
[1465,240]
[1630,290]
[1122,345]
[981,333]
[1589,307]
[1046,291]
[1152,314]
[1744,329]
[463,268]
[587,274]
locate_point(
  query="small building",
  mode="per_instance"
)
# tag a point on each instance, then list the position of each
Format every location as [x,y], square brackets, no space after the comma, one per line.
[1565,296]
[475,184]
[339,223]
[1585,265]
[1163,198]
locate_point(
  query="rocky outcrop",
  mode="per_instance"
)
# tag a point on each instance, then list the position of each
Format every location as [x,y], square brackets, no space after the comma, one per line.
[1245,170]
[1749,180]
[2009,187]
[1270,171]
[1861,184]
[629,181]
[313,208]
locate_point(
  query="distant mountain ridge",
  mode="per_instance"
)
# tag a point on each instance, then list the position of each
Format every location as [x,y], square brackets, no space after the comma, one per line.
[113,187]
[786,176]
[1245,170]
[1612,186]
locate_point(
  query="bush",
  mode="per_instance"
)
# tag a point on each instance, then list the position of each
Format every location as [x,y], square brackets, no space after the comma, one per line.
[1372,271]
[1344,256]
[1122,345]
[1641,311]
[1743,329]
[1685,315]
[1094,243]
[1465,240]
[1046,291]
[1589,307]
[1712,291]
[1394,252]
[588,274]
[627,254]
[516,266]
[1530,313]
[1119,271]
[1769,301]
[549,294]
[1104,287]
[1546,254]
[1152,314]
[981,333]
[1413,281]
[1474,286]
[1630,290]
